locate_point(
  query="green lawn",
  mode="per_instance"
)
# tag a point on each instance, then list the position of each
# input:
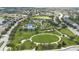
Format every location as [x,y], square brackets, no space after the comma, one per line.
[22,34]
[52,32]
[55,32]
[41,17]
[68,42]
[77,38]
[26,45]
[45,38]
[67,32]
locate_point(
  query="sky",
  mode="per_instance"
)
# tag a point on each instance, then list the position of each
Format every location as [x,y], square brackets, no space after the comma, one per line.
[39,3]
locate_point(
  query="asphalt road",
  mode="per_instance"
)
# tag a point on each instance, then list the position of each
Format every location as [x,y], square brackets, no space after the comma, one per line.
[5,37]
[71,48]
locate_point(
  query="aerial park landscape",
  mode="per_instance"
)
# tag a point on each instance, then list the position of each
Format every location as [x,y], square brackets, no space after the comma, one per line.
[38,30]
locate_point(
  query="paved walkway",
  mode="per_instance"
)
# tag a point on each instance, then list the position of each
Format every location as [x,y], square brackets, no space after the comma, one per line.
[70,48]
[60,17]
[46,43]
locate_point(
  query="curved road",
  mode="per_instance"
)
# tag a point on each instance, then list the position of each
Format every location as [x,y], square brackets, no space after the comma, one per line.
[70,48]
[5,37]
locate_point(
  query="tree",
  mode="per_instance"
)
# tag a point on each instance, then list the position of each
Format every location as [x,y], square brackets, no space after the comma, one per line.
[59,45]
[64,44]
[0,36]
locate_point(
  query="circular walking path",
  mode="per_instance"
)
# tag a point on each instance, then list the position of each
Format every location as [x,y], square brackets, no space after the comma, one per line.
[47,42]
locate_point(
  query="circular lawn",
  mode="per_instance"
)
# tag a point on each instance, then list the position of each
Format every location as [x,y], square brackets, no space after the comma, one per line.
[44,38]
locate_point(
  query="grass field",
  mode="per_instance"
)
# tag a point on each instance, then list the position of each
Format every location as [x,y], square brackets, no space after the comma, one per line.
[26,45]
[45,38]
[68,42]
[23,34]
[77,39]
[67,32]
[41,17]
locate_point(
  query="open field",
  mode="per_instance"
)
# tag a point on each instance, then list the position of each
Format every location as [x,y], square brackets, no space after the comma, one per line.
[26,45]
[77,39]
[67,32]
[41,17]
[45,38]
[68,41]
